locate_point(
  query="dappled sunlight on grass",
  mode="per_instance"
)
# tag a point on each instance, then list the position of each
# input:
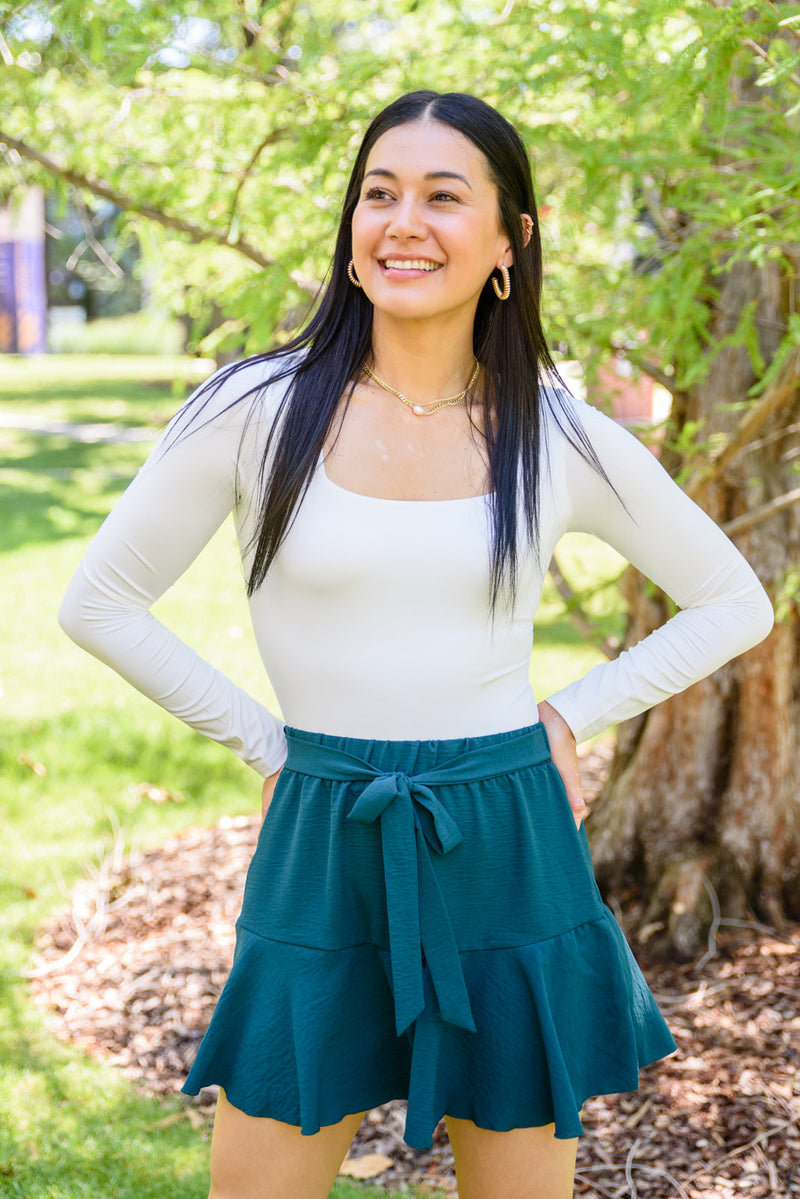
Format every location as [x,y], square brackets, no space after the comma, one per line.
[53,488]
[74,372]
[130,391]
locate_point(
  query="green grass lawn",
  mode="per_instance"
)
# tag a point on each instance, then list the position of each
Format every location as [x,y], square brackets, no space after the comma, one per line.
[98,387]
[76,742]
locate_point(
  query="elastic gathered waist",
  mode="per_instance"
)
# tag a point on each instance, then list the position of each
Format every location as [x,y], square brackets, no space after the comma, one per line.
[456,760]
[415,824]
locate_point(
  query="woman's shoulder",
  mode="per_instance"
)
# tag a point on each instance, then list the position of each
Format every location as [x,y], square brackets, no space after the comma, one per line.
[565,420]
[587,450]
[573,424]
[562,409]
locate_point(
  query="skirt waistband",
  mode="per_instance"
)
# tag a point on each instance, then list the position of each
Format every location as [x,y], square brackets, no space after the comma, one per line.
[414,823]
[465,759]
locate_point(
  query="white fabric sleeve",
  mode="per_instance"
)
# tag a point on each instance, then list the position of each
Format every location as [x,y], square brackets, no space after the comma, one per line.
[169,512]
[665,535]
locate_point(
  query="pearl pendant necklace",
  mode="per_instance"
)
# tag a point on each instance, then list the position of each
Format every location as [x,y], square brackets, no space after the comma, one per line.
[424,409]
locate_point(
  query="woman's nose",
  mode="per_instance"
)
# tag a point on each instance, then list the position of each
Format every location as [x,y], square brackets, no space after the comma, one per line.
[406,220]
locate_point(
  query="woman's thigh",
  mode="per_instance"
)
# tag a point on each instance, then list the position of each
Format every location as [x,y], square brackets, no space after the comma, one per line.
[524,1163]
[254,1158]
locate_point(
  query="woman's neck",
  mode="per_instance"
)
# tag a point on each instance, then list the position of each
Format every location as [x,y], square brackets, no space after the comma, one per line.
[424,363]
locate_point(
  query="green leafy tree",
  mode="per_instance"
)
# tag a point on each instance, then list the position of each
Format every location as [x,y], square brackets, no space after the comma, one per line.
[664,138]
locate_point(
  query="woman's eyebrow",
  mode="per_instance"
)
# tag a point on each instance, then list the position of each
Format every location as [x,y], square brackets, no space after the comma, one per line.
[430,175]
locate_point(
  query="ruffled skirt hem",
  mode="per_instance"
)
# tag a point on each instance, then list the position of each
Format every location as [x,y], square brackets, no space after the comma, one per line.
[306,1036]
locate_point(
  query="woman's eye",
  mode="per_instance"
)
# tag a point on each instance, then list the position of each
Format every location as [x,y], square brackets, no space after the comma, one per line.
[380,193]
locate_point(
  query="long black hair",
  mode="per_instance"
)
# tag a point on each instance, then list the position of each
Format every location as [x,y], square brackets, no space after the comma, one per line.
[508,340]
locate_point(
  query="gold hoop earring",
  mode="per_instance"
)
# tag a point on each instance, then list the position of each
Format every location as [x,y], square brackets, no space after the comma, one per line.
[506,292]
[351,273]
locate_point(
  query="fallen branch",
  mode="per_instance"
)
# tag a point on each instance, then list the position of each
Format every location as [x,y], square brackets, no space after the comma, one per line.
[629,1171]
[628,1167]
[58,965]
[597,1187]
[718,920]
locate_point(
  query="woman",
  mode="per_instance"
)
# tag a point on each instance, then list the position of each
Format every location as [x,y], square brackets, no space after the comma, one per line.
[420,917]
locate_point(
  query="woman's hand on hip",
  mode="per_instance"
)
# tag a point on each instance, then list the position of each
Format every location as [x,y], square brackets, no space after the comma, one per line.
[563,751]
[268,790]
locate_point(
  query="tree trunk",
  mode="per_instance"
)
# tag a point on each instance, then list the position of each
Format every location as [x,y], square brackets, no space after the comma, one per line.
[701,805]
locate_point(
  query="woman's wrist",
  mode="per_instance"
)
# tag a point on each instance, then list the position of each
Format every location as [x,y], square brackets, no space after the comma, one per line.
[552,719]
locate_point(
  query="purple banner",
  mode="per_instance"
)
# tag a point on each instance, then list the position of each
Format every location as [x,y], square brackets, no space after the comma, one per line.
[31,297]
[8,300]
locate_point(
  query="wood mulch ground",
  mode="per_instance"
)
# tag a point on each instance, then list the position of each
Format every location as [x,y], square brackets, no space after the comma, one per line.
[131,972]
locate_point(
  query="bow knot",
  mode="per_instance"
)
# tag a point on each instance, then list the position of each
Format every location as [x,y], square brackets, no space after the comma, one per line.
[412,822]
[430,816]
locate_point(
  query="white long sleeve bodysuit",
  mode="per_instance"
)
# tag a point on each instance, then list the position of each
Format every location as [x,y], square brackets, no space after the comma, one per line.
[374,619]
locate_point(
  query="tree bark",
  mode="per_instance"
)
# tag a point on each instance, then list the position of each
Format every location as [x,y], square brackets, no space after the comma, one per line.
[703,791]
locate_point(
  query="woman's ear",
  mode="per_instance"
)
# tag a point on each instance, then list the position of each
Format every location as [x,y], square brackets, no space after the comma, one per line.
[527,228]
[506,257]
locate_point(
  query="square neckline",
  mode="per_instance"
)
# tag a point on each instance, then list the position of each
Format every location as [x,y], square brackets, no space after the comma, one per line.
[383,499]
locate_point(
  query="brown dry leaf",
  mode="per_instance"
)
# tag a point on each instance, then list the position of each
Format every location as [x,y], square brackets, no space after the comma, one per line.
[637,1116]
[368,1166]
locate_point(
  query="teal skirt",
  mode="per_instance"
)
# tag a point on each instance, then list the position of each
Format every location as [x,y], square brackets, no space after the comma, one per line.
[421,921]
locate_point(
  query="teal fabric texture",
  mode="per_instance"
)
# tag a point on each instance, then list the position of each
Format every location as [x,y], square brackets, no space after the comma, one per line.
[421,921]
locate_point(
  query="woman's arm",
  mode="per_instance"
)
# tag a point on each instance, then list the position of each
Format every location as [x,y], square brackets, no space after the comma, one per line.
[170,511]
[267,791]
[724,608]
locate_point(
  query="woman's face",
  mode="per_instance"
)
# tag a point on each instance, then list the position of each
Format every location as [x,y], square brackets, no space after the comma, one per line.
[426,231]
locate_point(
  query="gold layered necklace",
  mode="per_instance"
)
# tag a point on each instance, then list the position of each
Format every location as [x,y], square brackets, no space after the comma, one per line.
[424,409]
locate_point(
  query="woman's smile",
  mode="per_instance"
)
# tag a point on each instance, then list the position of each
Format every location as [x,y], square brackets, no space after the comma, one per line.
[409,266]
